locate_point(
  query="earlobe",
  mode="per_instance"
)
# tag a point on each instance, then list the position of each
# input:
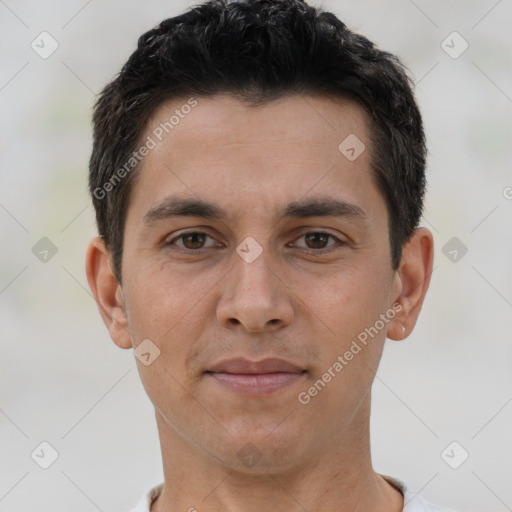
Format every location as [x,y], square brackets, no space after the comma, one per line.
[107,292]
[413,278]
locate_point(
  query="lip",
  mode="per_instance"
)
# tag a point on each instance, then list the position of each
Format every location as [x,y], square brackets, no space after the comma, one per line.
[255,377]
[241,365]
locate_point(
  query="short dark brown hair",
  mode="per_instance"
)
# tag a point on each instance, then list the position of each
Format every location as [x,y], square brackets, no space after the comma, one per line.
[258,50]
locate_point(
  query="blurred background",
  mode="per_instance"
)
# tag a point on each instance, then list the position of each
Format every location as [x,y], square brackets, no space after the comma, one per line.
[442,399]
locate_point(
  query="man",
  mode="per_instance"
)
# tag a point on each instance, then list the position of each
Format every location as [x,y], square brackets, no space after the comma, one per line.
[258,175]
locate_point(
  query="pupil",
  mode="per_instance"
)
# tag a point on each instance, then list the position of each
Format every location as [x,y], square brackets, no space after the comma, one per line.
[192,235]
[310,237]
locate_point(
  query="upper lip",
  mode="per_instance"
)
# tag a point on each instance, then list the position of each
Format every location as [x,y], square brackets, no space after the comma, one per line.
[242,365]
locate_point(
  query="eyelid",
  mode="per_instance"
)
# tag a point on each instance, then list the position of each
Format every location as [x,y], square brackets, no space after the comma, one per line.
[307,231]
[184,233]
[323,250]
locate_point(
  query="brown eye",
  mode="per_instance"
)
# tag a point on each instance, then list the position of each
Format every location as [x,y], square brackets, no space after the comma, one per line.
[191,241]
[317,240]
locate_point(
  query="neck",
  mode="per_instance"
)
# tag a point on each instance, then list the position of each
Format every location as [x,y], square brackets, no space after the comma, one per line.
[340,478]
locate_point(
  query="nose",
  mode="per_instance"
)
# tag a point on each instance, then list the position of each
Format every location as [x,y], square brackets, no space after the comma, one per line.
[254,296]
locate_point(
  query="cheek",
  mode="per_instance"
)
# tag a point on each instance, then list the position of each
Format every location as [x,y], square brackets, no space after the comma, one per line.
[174,311]
[349,304]
[162,299]
[348,300]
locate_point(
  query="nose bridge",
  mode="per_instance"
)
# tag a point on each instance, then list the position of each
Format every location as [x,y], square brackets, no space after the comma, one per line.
[252,268]
[253,296]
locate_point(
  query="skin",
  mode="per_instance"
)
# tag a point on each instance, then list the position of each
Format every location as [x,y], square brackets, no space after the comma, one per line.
[305,307]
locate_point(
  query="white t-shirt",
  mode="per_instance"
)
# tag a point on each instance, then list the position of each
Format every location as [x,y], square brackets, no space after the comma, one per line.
[412,502]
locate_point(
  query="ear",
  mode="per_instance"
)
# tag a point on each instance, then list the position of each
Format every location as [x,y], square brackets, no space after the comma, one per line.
[412,281]
[107,292]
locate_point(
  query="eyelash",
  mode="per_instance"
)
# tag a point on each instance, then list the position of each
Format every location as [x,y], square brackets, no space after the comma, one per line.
[325,250]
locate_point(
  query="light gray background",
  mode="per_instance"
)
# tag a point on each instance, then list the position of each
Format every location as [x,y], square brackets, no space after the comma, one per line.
[62,379]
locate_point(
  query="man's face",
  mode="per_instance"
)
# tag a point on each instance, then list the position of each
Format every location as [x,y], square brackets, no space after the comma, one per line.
[318,283]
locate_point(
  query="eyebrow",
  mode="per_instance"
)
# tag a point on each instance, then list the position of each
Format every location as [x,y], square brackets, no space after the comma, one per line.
[315,207]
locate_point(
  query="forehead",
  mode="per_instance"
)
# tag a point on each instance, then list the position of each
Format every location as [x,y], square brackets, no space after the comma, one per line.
[318,119]
[234,153]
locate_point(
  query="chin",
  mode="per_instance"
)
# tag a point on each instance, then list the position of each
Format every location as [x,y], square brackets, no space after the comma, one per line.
[261,451]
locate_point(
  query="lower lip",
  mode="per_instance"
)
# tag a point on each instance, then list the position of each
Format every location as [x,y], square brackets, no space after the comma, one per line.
[256,384]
